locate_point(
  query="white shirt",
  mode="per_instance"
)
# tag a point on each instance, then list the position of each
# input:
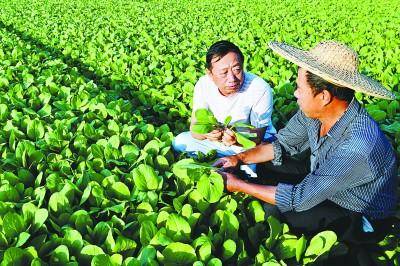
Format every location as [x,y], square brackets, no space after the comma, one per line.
[252,104]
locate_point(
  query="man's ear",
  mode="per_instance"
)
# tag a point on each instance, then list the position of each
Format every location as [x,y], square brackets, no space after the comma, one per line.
[208,71]
[326,97]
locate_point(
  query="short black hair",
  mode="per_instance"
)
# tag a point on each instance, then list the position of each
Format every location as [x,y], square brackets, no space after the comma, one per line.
[318,84]
[220,49]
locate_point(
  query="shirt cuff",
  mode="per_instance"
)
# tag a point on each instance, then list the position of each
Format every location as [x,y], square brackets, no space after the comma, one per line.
[277,153]
[284,197]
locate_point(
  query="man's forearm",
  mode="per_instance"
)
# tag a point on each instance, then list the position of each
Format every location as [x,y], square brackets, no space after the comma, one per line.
[262,192]
[259,154]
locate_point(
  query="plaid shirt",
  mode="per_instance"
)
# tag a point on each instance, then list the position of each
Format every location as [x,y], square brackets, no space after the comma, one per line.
[353,166]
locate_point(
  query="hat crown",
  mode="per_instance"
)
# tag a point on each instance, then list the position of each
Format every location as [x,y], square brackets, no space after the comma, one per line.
[336,55]
[335,63]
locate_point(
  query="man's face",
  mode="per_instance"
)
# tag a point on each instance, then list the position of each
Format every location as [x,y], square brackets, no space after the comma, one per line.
[227,73]
[309,103]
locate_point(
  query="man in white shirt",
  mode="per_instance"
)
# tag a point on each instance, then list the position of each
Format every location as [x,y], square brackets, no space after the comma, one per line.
[227,90]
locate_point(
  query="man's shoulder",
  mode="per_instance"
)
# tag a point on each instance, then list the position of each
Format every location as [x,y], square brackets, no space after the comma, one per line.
[366,134]
[364,125]
[255,83]
[204,86]
[205,81]
[369,141]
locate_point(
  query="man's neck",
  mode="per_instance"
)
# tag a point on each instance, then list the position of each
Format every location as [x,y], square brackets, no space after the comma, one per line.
[331,115]
[226,94]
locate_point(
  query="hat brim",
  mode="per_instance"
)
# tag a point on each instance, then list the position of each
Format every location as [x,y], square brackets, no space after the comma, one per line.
[355,81]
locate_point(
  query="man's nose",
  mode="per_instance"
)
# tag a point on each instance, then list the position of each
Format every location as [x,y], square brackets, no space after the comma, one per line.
[230,76]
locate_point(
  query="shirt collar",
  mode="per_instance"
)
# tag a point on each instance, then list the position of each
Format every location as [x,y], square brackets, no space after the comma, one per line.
[344,121]
[244,85]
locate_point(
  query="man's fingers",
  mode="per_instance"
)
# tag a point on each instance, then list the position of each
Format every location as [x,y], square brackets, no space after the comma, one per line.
[221,173]
[223,163]
[212,138]
[228,137]
[231,181]
[214,135]
[219,163]
[228,140]
[226,162]
[229,133]
[215,131]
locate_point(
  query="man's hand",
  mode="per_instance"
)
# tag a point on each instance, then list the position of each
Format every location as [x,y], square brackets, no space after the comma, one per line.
[231,181]
[228,137]
[234,184]
[214,135]
[228,162]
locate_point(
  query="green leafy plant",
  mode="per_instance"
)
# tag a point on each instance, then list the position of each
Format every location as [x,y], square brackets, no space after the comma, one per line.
[206,122]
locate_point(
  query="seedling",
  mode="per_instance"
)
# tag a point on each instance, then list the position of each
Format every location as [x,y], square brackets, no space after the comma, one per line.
[206,122]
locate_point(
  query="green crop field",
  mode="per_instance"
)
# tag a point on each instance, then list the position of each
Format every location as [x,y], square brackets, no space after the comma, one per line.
[92,93]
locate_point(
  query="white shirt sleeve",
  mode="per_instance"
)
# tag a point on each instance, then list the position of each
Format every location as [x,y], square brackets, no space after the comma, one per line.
[199,101]
[261,112]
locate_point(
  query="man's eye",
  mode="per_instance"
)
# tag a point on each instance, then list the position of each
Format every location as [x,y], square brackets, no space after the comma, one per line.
[237,69]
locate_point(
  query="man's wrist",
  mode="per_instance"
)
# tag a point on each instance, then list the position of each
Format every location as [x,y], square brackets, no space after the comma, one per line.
[240,158]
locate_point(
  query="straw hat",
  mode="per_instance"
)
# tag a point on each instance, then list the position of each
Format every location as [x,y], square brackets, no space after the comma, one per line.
[334,62]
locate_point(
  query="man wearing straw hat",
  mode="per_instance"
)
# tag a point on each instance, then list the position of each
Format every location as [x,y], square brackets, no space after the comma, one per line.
[351,184]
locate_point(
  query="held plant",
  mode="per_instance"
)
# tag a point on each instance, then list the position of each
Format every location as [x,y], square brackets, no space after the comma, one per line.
[206,122]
